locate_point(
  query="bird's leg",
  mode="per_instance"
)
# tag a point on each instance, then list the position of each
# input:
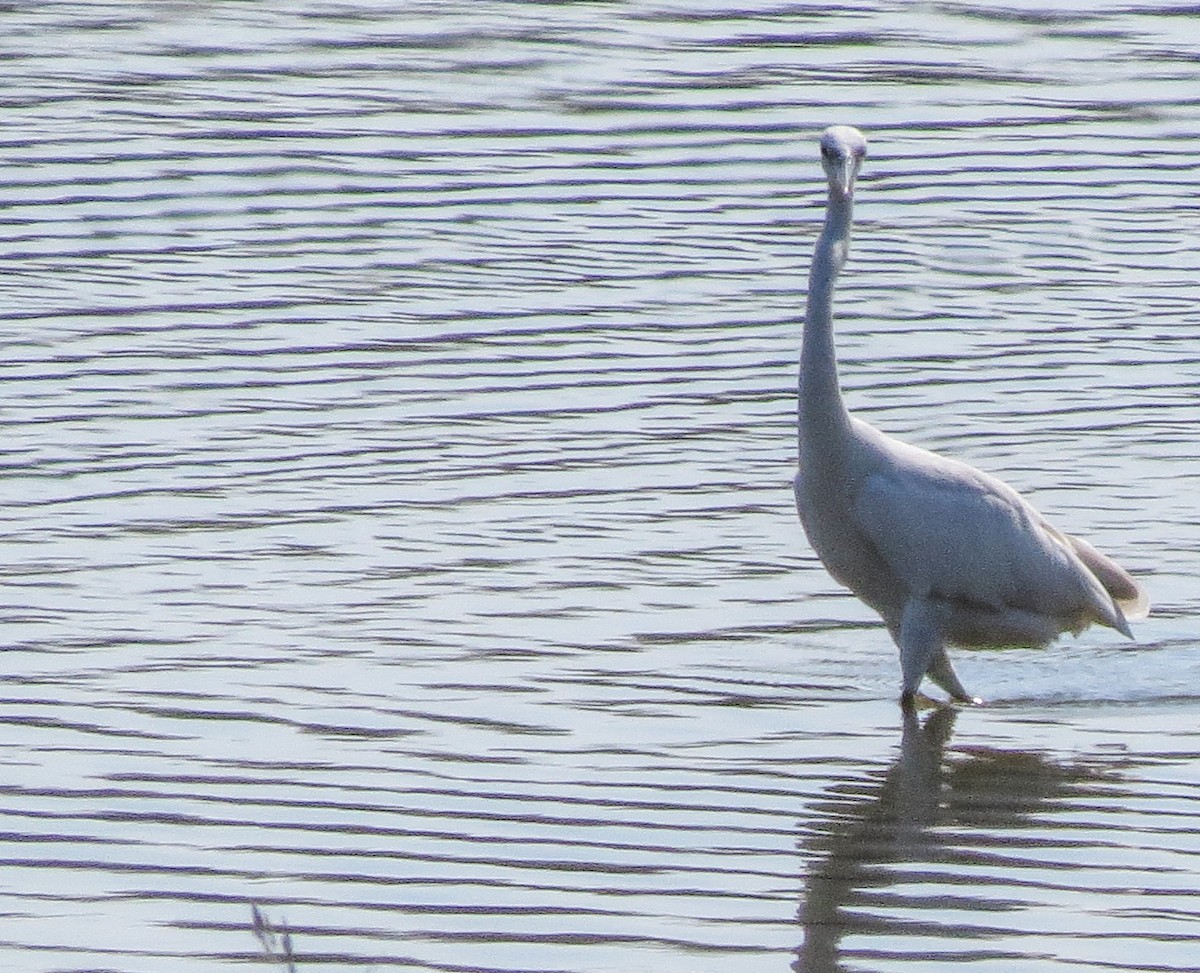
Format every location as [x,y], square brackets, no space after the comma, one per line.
[920,641]
[923,652]
[942,673]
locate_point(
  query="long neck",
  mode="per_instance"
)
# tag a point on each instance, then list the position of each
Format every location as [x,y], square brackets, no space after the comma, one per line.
[822,412]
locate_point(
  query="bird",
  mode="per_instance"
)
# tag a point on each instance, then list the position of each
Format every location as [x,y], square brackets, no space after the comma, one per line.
[944,553]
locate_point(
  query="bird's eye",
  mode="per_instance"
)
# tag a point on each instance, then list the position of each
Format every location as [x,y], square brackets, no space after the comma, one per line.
[826,152]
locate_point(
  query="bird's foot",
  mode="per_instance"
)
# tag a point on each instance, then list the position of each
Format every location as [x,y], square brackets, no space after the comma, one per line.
[911,701]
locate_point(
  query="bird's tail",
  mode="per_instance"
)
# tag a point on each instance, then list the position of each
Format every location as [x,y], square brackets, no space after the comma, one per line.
[1129,596]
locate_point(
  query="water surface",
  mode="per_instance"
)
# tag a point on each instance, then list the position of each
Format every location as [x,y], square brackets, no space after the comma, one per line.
[398,426]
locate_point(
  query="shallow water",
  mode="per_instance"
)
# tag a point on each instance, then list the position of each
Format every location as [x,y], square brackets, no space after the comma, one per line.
[398,427]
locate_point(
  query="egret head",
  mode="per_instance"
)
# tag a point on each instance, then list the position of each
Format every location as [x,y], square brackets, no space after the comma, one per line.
[842,151]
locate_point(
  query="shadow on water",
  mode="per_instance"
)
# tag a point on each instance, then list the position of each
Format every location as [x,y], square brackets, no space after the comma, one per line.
[883,856]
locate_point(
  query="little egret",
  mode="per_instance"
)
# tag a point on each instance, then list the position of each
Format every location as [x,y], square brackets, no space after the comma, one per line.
[944,553]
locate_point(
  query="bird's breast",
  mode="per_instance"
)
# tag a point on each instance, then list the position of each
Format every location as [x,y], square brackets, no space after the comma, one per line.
[824,505]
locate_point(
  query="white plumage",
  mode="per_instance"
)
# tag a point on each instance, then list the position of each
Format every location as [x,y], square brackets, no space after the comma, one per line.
[946,554]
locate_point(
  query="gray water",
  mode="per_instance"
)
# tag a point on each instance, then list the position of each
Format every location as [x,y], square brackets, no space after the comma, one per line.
[398,420]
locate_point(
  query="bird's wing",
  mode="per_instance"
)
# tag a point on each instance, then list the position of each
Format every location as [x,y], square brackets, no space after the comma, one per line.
[946,529]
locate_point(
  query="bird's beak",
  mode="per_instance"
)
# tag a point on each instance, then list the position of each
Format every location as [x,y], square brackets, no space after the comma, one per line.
[843,176]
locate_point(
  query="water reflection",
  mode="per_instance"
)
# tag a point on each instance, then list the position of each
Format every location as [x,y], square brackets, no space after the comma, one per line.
[884,852]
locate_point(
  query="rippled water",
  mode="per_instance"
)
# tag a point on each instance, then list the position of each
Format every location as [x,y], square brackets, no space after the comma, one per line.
[398,425]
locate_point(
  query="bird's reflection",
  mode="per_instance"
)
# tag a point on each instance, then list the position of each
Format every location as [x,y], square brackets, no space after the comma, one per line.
[875,849]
